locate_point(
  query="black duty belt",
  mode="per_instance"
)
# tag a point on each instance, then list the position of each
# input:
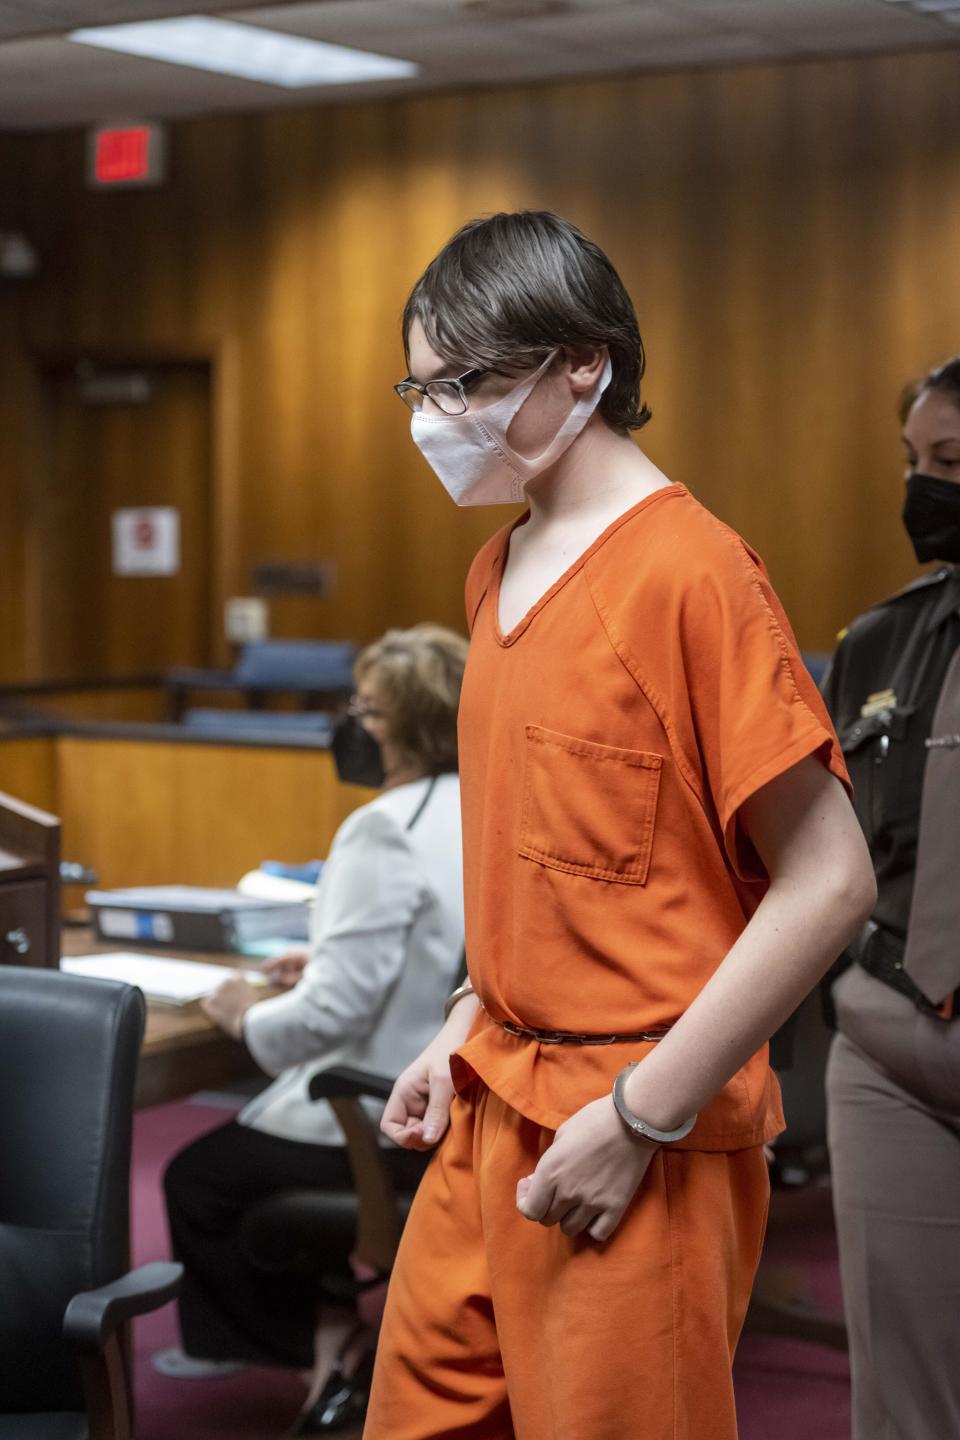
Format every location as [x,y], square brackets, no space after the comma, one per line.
[570,1037]
[882,957]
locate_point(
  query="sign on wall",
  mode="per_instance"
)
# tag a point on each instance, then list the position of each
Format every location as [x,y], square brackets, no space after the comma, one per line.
[146,541]
[126,157]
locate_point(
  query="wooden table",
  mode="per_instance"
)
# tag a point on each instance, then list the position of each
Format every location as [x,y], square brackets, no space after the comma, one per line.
[182,1050]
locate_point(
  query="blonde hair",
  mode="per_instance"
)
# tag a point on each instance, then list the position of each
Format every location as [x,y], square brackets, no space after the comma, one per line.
[418,674]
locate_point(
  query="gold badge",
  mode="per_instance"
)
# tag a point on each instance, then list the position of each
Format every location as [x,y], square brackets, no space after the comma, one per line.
[878,702]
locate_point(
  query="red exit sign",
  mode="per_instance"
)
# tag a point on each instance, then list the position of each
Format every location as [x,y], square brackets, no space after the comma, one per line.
[126,157]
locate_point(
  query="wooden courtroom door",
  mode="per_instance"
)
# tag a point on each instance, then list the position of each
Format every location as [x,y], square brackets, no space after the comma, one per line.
[120,438]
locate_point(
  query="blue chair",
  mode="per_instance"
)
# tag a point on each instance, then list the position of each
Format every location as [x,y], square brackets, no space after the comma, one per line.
[287,726]
[304,665]
[319,671]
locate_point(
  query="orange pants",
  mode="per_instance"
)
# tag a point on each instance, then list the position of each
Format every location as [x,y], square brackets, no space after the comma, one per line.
[497,1327]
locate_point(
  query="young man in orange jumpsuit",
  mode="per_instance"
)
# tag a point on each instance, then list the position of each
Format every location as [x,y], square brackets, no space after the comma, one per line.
[660,861]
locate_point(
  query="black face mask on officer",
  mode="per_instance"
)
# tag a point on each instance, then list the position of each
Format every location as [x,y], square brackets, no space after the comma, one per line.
[931,516]
[357,756]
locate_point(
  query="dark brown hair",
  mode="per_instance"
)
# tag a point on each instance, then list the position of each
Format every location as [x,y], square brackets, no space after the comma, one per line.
[418,674]
[945,377]
[506,290]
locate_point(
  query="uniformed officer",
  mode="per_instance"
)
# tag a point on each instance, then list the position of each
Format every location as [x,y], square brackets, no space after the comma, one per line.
[893,1080]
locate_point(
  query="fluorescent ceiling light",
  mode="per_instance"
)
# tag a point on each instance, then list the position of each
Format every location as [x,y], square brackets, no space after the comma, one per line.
[245,50]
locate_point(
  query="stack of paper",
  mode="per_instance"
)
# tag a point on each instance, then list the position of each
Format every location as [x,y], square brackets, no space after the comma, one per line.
[259,885]
[176,982]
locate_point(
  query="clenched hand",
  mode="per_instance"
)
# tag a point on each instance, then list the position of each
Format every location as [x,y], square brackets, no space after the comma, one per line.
[589,1175]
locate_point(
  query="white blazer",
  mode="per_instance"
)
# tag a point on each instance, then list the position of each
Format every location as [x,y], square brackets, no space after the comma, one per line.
[386,942]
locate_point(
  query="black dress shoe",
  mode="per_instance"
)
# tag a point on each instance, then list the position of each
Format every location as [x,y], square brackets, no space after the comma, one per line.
[341,1404]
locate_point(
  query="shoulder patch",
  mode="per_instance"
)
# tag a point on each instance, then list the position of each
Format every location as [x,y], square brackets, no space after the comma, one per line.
[922,582]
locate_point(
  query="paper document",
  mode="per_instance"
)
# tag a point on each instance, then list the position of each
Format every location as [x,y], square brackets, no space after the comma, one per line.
[179,897]
[177,982]
[258,885]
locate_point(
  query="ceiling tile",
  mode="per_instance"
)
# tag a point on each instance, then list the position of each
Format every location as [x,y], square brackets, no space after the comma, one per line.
[349,22]
[616,26]
[39,17]
[805,17]
[48,82]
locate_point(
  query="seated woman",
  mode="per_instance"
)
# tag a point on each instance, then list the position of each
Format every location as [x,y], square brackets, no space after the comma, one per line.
[368,992]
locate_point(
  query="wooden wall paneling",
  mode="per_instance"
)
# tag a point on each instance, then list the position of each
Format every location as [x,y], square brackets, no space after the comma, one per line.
[739,342]
[225,577]
[29,771]
[788,232]
[13,499]
[100,458]
[294,420]
[384,519]
[223,282]
[156,813]
[146,706]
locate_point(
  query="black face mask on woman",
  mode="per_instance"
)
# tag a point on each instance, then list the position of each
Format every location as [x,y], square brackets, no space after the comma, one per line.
[931,516]
[357,756]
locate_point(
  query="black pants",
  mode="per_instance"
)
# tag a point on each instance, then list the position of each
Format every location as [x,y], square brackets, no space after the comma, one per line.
[231,1308]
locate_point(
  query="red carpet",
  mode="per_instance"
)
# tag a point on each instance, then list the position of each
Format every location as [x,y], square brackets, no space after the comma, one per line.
[786,1390]
[259,1404]
[790,1389]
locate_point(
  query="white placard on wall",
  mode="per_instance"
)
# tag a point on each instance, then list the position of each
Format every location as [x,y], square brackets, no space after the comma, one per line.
[246,618]
[146,541]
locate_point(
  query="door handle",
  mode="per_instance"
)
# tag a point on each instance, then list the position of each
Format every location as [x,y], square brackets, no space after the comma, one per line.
[19,940]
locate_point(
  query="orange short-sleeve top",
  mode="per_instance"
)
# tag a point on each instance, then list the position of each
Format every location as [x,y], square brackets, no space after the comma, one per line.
[607,745]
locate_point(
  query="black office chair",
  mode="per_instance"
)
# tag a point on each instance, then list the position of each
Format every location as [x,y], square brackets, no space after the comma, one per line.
[295,1229]
[68,1059]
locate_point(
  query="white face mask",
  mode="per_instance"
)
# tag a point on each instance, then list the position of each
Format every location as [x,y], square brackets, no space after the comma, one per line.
[470,453]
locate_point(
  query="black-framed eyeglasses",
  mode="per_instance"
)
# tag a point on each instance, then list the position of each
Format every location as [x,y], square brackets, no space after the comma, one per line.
[449,396]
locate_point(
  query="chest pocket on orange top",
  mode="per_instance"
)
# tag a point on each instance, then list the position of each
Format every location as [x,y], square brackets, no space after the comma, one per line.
[588,809]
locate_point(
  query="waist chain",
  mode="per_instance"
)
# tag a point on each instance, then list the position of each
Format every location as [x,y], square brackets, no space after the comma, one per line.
[573,1037]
